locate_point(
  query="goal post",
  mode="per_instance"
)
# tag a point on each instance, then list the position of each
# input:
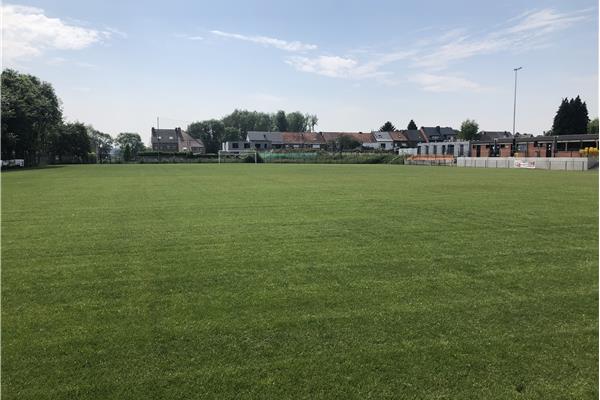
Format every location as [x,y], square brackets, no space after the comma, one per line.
[225,154]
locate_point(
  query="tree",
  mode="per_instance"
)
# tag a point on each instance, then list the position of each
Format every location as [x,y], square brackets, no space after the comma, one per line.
[296,122]
[311,121]
[387,127]
[468,130]
[211,132]
[127,156]
[281,123]
[571,117]
[346,142]
[593,127]
[101,143]
[133,140]
[30,112]
[70,140]
[412,126]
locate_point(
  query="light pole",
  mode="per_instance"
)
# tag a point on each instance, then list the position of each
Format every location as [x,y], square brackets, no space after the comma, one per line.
[515,102]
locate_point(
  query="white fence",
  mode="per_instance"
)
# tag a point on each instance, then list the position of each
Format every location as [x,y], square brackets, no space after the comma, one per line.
[558,163]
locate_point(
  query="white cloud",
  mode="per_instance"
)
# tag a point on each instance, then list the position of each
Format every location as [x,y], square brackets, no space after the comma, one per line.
[442,83]
[346,67]
[27,33]
[332,66]
[294,46]
[188,37]
[527,31]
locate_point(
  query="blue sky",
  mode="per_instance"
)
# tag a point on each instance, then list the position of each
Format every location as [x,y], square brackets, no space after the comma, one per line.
[118,64]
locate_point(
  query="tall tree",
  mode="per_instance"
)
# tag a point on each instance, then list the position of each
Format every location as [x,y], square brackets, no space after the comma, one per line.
[296,122]
[311,121]
[571,117]
[127,156]
[211,132]
[132,139]
[412,126]
[70,141]
[101,143]
[387,127]
[468,130]
[593,127]
[281,122]
[30,112]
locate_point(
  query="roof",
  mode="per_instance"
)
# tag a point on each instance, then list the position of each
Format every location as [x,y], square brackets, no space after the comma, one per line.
[437,131]
[190,141]
[313,138]
[292,138]
[358,136]
[398,136]
[165,135]
[543,139]
[382,136]
[491,135]
[256,136]
[413,135]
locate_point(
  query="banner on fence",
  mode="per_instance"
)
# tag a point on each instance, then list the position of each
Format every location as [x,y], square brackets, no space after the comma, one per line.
[524,164]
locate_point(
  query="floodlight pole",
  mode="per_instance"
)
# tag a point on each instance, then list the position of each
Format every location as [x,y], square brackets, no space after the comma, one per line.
[515,101]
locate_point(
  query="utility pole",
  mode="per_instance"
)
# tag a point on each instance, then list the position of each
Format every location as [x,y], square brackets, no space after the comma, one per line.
[515,101]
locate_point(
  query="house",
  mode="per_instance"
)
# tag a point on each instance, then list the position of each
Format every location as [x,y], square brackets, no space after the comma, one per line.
[399,140]
[414,137]
[175,140]
[439,134]
[314,140]
[292,140]
[265,140]
[384,140]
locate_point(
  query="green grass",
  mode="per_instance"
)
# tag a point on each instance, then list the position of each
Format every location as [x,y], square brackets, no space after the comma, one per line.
[299,281]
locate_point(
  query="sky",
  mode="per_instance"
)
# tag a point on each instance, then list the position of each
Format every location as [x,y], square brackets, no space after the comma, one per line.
[119,65]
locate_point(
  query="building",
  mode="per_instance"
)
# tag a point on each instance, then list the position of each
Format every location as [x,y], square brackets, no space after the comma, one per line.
[384,140]
[265,140]
[439,134]
[314,140]
[293,140]
[238,146]
[538,146]
[176,141]
[414,137]
[458,148]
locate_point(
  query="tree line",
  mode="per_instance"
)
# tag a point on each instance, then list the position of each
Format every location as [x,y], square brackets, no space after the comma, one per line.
[33,127]
[236,126]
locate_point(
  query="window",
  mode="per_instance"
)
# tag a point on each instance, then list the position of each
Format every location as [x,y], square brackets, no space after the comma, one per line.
[382,145]
[257,145]
[246,145]
[450,149]
[434,148]
[171,137]
[443,149]
[234,145]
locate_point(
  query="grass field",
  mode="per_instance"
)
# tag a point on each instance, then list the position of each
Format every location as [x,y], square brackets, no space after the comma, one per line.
[299,281]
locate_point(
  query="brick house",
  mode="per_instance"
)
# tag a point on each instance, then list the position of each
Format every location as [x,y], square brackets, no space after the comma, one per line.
[176,141]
